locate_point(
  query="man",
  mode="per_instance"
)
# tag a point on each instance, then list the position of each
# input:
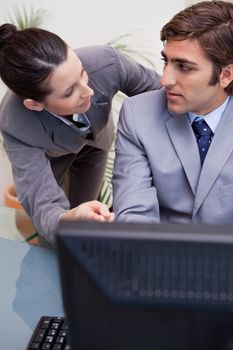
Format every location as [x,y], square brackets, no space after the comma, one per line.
[166,169]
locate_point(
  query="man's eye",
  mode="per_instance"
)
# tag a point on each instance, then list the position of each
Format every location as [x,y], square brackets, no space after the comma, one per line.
[184,67]
[164,60]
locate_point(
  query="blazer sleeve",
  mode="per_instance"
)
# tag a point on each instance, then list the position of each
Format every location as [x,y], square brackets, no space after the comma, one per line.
[134,195]
[136,78]
[36,185]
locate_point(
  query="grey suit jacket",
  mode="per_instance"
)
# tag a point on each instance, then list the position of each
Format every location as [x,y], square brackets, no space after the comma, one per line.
[32,138]
[158,175]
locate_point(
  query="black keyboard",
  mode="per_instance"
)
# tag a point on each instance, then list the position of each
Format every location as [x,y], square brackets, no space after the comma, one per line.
[50,334]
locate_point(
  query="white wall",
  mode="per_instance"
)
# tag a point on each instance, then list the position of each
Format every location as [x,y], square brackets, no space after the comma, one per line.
[95,22]
[91,22]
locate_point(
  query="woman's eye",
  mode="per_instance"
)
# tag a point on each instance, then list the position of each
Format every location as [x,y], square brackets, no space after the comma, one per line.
[69,93]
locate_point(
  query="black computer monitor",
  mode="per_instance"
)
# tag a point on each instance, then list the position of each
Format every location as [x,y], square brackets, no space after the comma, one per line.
[147,286]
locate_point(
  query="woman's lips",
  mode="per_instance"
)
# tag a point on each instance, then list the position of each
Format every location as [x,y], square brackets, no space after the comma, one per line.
[86,102]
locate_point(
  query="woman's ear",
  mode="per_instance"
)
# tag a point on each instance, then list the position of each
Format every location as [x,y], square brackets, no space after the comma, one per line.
[33,105]
[226,76]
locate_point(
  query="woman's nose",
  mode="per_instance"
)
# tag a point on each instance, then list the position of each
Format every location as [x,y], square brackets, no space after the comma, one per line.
[87,91]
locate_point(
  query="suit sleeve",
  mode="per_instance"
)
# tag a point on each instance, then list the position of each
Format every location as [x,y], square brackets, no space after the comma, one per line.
[135,78]
[134,195]
[36,185]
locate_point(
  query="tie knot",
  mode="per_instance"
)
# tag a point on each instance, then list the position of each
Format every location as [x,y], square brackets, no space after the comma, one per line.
[201,128]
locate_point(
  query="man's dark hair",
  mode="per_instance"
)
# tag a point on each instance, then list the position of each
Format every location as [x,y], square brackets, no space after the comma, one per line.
[211,24]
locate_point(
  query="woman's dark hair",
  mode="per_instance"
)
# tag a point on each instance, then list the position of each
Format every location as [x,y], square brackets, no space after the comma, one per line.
[27,58]
[211,23]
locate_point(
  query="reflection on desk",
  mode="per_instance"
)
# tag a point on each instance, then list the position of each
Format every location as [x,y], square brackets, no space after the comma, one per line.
[29,287]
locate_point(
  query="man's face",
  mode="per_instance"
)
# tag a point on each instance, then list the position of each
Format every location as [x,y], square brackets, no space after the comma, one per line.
[186,76]
[70,91]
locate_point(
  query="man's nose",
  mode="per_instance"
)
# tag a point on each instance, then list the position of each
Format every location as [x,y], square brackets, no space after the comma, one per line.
[168,77]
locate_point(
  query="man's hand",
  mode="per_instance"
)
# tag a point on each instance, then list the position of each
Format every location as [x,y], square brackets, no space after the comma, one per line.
[92,210]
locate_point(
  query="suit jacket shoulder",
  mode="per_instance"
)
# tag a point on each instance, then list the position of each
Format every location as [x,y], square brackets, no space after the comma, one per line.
[110,69]
[151,105]
[95,58]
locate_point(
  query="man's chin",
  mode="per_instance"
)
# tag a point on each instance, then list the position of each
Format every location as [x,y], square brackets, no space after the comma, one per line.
[175,109]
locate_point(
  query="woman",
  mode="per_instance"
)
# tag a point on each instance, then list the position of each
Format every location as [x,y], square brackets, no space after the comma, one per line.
[56,123]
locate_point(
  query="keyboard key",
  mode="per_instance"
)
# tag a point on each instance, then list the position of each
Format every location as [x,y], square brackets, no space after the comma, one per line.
[52,332]
[35,346]
[62,334]
[46,346]
[49,339]
[40,335]
[64,326]
[57,347]
[55,325]
[60,340]
[45,324]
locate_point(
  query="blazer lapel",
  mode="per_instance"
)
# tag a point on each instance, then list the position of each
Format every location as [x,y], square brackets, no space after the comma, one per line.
[99,110]
[63,136]
[184,141]
[219,151]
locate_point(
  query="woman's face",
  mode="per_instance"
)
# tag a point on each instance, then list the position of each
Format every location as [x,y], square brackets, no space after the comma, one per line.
[70,91]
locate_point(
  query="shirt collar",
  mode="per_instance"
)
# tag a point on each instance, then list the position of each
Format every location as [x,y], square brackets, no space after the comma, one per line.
[65,120]
[76,117]
[213,118]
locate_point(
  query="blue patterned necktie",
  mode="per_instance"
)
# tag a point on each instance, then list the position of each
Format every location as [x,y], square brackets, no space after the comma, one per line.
[203,135]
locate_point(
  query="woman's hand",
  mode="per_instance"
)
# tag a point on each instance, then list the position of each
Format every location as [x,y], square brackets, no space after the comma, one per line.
[92,210]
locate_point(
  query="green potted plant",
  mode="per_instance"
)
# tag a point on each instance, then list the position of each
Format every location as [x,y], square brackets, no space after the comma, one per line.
[24,18]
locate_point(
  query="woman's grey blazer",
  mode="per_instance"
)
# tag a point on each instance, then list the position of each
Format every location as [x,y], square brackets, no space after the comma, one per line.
[32,138]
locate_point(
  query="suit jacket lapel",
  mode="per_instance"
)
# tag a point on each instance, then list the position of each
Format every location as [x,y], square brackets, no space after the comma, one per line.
[184,141]
[64,136]
[99,110]
[219,151]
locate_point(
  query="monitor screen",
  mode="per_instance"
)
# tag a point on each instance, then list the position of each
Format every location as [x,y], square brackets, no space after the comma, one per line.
[147,286]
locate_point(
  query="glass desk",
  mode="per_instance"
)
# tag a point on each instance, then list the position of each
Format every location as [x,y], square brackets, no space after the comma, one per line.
[16,225]
[30,283]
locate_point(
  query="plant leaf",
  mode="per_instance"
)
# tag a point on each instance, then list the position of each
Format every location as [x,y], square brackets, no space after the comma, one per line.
[23,18]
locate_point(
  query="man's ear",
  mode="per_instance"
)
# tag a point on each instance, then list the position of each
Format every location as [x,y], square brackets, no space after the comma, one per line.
[33,105]
[226,76]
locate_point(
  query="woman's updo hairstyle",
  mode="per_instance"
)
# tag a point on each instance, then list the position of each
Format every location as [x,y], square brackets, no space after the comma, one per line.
[27,58]
[6,32]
